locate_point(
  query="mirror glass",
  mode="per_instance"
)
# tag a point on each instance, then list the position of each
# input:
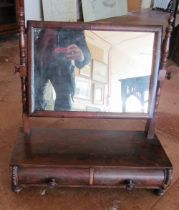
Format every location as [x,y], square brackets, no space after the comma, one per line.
[91,70]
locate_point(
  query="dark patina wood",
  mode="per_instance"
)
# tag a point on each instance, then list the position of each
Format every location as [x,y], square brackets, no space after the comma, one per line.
[89,158]
[151,123]
[83,158]
[22,68]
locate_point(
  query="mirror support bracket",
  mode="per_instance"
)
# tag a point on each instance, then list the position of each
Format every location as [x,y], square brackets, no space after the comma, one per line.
[150,125]
[22,69]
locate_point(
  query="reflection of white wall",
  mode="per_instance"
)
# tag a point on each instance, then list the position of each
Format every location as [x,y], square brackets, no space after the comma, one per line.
[115,99]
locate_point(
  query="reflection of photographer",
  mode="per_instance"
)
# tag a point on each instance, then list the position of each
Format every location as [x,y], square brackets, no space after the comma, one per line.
[57,52]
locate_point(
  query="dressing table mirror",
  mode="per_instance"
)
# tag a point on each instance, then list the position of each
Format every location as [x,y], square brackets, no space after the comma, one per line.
[90,70]
[75,68]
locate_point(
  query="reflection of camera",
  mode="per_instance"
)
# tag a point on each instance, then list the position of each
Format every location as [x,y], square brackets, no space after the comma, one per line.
[60,50]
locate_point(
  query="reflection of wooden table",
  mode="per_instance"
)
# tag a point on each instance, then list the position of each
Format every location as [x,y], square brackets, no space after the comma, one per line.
[135,86]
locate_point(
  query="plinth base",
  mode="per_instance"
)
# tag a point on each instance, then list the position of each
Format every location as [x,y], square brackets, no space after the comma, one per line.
[89,158]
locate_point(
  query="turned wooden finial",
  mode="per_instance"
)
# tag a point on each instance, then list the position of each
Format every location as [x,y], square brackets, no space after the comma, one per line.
[22,45]
[166,42]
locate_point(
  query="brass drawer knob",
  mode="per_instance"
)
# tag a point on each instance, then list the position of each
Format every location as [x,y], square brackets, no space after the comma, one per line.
[52,183]
[130,184]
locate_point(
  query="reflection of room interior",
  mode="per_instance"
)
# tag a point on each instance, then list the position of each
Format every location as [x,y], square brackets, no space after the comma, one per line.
[121,62]
[118,77]
[92,82]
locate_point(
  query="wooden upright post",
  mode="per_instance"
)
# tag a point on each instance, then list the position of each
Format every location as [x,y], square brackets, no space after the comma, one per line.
[22,68]
[151,123]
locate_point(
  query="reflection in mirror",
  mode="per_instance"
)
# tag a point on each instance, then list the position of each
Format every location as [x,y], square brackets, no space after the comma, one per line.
[96,71]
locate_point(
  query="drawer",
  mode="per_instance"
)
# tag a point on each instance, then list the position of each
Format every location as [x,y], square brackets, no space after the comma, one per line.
[139,177]
[114,177]
[60,176]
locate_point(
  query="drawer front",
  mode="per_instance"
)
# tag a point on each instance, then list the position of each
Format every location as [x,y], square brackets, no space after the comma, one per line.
[139,177]
[98,176]
[61,176]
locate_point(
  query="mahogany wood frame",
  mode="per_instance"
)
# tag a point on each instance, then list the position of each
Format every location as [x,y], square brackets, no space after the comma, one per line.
[157,30]
[24,168]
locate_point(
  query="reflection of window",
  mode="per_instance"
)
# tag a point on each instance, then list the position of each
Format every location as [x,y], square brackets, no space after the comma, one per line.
[135,94]
[135,104]
[49,96]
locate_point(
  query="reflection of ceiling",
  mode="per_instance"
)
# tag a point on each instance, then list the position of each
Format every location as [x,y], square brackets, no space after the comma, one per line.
[99,48]
[117,37]
[133,58]
[93,38]
[129,42]
[133,42]
[130,53]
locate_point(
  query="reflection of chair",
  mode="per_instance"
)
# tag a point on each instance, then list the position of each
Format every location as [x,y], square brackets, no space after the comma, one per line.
[135,86]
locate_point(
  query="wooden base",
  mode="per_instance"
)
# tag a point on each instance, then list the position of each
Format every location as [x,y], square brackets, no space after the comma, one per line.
[89,158]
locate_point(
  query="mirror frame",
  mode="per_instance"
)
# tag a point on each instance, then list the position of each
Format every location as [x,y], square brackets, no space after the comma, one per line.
[157,30]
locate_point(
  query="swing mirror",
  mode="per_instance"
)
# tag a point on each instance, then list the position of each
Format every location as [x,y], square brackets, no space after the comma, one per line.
[92,70]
